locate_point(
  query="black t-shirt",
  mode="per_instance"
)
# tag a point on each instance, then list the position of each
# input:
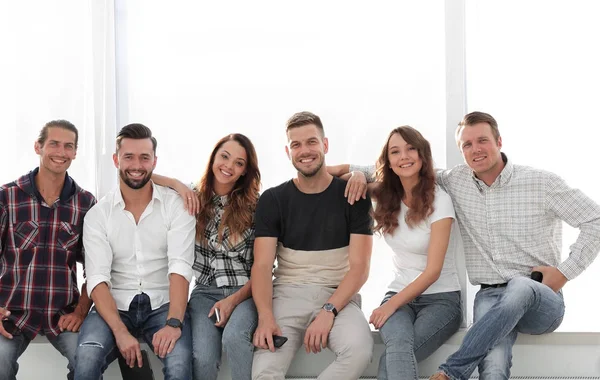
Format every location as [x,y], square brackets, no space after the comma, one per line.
[311,222]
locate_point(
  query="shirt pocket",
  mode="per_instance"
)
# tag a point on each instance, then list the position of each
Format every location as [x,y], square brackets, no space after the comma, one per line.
[26,235]
[68,236]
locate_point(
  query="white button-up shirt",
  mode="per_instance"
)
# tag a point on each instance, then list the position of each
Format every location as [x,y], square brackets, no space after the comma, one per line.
[515,224]
[138,258]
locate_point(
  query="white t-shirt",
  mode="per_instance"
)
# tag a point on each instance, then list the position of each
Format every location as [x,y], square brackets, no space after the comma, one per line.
[410,247]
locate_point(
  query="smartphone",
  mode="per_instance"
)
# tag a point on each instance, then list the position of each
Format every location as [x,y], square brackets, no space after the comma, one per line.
[136,373]
[217,315]
[537,276]
[11,328]
[278,341]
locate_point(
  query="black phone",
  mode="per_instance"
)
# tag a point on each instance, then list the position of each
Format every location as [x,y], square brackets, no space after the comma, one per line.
[278,341]
[11,328]
[136,373]
[537,276]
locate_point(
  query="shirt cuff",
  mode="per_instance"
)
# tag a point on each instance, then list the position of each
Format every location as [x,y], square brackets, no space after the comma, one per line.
[95,280]
[181,268]
[569,269]
[368,170]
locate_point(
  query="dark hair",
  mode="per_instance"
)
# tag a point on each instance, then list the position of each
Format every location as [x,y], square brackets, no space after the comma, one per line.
[304,118]
[476,118]
[239,211]
[135,131]
[390,192]
[64,124]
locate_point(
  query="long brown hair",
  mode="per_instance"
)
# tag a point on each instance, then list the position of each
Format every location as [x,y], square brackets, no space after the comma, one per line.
[239,211]
[390,192]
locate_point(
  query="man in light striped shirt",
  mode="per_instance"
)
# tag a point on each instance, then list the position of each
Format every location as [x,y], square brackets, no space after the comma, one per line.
[511,222]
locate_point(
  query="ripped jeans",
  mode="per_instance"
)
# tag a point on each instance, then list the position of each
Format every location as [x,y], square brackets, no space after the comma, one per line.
[97,348]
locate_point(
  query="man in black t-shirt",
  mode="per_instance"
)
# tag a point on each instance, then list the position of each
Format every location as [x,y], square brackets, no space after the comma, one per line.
[323,248]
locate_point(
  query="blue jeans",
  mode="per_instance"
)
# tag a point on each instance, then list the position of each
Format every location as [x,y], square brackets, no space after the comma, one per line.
[12,349]
[523,306]
[208,340]
[97,347]
[415,331]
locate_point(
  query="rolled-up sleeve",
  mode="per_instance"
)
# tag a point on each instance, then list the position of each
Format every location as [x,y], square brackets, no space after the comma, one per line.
[98,254]
[180,240]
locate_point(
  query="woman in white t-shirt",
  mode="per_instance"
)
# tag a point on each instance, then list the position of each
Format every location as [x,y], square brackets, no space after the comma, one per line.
[422,308]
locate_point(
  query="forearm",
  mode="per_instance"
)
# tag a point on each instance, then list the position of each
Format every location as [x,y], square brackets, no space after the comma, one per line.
[338,170]
[367,170]
[244,293]
[262,291]
[178,296]
[107,308]
[164,180]
[85,302]
[349,287]
[414,289]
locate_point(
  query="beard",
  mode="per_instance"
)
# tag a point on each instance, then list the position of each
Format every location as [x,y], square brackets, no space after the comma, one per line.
[135,183]
[311,172]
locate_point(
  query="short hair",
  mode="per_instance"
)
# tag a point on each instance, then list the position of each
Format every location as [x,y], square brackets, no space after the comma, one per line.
[303,118]
[64,124]
[476,118]
[135,131]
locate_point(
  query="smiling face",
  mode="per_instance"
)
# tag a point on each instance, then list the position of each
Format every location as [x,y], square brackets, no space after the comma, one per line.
[481,150]
[403,158]
[229,164]
[58,150]
[306,149]
[135,161]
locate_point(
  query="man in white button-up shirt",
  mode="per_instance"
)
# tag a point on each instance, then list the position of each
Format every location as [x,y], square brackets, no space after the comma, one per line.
[139,250]
[511,219]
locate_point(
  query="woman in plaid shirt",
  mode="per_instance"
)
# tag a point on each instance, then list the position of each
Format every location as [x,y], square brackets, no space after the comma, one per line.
[226,198]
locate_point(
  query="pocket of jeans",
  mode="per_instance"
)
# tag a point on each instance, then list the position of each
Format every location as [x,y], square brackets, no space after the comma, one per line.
[554,325]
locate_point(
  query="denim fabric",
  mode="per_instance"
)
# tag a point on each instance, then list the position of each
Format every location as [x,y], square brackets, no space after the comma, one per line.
[208,340]
[415,331]
[97,347]
[12,349]
[524,306]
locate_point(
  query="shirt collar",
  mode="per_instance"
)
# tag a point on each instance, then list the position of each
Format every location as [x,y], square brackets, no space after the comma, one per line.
[219,200]
[503,178]
[118,197]
[67,191]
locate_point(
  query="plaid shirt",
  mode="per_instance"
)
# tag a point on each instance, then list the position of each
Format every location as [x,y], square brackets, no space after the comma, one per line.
[515,224]
[39,248]
[225,262]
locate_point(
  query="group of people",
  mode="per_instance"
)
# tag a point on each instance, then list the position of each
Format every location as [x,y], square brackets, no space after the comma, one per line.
[280,270]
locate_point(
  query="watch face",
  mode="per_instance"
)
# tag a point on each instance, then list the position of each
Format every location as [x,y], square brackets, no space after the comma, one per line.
[173,322]
[328,307]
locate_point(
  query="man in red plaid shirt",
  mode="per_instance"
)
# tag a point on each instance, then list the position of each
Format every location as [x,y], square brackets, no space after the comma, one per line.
[41,221]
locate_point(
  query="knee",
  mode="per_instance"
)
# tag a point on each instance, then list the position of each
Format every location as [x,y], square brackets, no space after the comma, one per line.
[397,340]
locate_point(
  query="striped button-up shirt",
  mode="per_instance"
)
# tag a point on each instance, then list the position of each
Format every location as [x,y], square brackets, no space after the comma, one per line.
[226,262]
[515,224]
[39,248]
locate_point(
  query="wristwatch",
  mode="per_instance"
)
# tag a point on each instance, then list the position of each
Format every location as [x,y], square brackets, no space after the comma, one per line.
[330,308]
[174,322]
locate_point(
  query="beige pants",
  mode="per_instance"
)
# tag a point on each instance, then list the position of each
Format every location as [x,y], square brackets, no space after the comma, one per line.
[294,307]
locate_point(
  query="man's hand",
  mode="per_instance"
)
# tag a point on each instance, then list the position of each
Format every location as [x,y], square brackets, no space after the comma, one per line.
[317,333]
[552,277]
[380,315]
[71,322]
[356,187]
[164,340]
[226,307]
[263,336]
[3,316]
[129,348]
